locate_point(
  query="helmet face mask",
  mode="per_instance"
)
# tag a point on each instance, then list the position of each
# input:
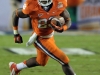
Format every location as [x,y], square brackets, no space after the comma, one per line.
[44,2]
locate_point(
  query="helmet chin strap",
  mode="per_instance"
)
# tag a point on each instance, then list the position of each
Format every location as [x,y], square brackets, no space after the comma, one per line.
[47,8]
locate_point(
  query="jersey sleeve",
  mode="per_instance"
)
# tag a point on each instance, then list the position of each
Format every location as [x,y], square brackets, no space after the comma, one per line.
[29,6]
[64,2]
[65,27]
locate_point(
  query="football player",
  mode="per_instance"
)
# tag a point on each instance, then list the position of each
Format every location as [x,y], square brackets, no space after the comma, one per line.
[41,13]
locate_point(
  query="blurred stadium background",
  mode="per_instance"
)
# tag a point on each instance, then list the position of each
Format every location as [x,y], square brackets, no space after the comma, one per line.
[83,34]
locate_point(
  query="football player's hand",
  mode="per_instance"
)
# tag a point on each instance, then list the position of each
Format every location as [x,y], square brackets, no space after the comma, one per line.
[18,38]
[58,29]
[57,26]
[57,23]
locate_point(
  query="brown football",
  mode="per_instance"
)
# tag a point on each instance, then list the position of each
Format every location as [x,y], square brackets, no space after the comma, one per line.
[58,20]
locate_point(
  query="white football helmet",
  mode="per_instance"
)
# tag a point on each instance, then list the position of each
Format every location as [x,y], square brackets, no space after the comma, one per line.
[44,2]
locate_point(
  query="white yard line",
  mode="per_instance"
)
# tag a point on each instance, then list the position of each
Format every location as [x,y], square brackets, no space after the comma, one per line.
[69,51]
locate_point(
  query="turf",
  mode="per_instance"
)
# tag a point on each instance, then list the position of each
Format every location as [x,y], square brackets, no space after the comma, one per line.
[82,64]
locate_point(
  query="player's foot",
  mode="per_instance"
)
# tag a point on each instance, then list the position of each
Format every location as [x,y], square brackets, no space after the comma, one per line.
[13,69]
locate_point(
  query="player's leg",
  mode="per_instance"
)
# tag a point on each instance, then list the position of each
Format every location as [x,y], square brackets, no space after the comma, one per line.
[67,69]
[16,68]
[64,61]
[48,46]
[40,60]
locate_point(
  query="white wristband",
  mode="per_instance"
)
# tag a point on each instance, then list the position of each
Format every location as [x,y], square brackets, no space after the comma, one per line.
[15,31]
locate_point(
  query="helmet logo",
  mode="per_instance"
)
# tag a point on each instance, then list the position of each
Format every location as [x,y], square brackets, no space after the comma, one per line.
[60,5]
[39,15]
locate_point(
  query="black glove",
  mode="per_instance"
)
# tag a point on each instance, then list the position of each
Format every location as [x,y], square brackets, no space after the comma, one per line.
[18,38]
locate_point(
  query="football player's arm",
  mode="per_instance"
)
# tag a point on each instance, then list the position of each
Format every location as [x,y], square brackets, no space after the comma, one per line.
[15,19]
[67,18]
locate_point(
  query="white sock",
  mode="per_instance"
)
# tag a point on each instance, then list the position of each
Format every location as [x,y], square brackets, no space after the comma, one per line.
[21,66]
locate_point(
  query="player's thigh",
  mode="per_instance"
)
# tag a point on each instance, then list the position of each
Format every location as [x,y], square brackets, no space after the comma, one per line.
[42,58]
[49,47]
[61,56]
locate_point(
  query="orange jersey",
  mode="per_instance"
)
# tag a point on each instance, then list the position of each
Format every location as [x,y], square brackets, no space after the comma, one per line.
[40,17]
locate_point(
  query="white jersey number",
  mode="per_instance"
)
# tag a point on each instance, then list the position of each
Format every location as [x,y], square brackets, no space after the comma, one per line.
[42,23]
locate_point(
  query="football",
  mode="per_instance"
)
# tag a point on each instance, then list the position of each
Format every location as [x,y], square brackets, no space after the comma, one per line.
[58,21]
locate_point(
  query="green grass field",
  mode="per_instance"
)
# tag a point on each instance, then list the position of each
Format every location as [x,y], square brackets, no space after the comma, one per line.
[82,64]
